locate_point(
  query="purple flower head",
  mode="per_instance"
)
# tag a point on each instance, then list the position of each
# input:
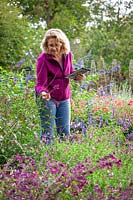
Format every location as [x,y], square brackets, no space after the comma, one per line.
[19,158]
[119,121]
[54,170]
[20,62]
[46,155]
[15,80]
[118,163]
[79,64]
[97,189]
[47,138]
[89,119]
[116,68]
[108,87]
[81,124]
[29,78]
[84,86]
[129,123]
[108,72]
[28,53]
[101,122]
[113,113]
[101,91]
[124,121]
[130,136]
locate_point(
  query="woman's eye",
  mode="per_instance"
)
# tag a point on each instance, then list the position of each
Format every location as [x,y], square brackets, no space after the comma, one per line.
[54,45]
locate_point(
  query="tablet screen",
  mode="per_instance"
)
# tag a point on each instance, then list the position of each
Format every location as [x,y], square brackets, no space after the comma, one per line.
[79,71]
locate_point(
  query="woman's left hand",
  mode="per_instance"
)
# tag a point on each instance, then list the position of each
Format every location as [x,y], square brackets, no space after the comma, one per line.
[79,77]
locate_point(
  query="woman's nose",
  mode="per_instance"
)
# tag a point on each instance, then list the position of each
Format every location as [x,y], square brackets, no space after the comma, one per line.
[54,48]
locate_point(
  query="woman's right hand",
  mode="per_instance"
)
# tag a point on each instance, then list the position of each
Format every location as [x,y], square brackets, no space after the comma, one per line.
[45,96]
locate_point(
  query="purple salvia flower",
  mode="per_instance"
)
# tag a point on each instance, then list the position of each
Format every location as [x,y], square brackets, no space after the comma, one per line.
[101,122]
[108,87]
[105,89]
[116,68]
[113,113]
[72,125]
[129,123]
[130,136]
[20,62]
[101,91]
[89,119]
[79,64]
[108,72]
[124,121]
[84,86]
[28,53]
[119,123]
[15,80]
[29,78]
[81,124]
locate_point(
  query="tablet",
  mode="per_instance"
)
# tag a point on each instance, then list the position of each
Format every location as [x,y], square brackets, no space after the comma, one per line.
[79,71]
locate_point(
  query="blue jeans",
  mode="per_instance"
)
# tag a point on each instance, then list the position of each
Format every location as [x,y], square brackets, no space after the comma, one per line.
[54,112]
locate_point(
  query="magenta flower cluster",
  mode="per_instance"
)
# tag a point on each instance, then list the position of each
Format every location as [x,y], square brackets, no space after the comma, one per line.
[22,178]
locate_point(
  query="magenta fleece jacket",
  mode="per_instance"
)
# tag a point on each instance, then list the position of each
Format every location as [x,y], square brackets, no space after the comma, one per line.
[50,76]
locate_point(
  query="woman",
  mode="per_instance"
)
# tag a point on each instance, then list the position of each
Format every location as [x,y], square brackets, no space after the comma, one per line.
[52,87]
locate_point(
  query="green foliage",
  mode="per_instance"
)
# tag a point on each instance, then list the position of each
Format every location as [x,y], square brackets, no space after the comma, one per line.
[100,125]
[33,37]
[109,40]
[71,18]
[12,33]
[105,35]
[68,15]
[18,36]
[80,161]
[16,124]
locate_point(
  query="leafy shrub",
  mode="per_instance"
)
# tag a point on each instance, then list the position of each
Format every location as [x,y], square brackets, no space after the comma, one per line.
[94,162]
[22,179]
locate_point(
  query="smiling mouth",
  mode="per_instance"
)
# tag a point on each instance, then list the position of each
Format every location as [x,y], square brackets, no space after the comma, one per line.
[54,52]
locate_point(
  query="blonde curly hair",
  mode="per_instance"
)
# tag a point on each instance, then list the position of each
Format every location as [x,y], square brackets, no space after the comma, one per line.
[60,36]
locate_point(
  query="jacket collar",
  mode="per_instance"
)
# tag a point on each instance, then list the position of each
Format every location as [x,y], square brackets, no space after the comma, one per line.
[50,56]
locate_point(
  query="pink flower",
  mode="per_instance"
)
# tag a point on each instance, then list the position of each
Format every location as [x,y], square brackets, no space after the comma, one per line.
[130,103]
[19,158]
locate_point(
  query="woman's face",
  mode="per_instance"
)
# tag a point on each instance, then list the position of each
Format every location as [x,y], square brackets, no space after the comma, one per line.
[54,46]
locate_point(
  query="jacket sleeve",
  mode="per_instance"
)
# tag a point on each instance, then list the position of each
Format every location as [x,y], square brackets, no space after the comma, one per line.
[71,68]
[41,75]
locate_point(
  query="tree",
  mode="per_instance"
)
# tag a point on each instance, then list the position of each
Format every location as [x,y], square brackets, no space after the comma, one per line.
[110,34]
[12,31]
[70,15]
[18,36]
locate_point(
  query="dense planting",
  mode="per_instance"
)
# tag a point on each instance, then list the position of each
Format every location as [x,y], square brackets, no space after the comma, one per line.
[94,162]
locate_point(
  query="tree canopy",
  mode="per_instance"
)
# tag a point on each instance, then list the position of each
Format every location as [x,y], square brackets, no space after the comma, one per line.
[101,27]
